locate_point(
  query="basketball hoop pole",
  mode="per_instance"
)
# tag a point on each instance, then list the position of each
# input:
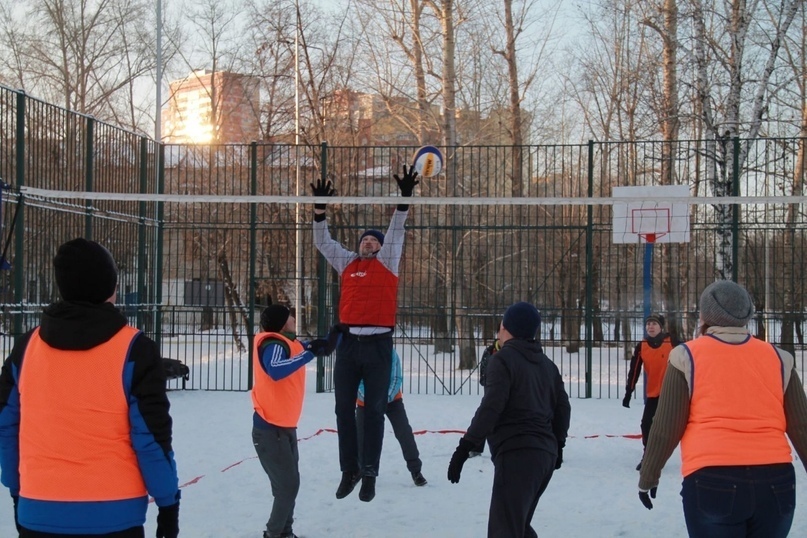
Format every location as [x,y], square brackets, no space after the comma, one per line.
[648,291]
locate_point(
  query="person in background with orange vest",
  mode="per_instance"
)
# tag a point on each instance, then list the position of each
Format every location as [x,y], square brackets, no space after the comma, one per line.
[396,413]
[368,305]
[85,430]
[652,352]
[732,401]
[279,361]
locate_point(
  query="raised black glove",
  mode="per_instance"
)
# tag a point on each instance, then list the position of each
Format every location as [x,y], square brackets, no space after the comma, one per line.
[645,496]
[322,188]
[458,460]
[559,460]
[16,500]
[626,401]
[407,183]
[168,521]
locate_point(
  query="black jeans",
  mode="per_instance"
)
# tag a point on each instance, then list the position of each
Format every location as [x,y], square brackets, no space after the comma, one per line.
[396,413]
[649,412]
[755,501]
[367,358]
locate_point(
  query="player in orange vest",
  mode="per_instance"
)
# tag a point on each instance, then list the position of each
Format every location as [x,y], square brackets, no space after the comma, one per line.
[732,401]
[279,360]
[368,305]
[85,432]
[652,353]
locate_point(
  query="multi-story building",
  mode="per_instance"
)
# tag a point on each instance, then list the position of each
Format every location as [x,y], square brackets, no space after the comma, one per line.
[212,108]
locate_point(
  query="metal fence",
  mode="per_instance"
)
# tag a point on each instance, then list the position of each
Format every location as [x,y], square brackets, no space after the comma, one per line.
[195,273]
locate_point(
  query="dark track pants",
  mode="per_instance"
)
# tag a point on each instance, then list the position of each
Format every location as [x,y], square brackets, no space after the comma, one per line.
[396,413]
[358,358]
[520,478]
[277,451]
[649,412]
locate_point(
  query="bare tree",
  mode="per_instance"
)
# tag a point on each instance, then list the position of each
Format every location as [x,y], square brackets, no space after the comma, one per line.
[733,91]
[88,56]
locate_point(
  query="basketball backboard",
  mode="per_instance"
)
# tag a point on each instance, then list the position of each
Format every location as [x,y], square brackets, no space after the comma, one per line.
[653,218]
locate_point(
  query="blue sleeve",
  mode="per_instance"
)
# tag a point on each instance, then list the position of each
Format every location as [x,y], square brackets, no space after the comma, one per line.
[396,376]
[10,430]
[278,364]
[150,422]
[10,416]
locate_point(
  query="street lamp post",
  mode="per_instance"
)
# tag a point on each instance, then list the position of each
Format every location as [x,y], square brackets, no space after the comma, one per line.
[298,262]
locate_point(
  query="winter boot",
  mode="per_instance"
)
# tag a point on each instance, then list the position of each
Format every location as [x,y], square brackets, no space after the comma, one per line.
[418,479]
[367,491]
[349,481]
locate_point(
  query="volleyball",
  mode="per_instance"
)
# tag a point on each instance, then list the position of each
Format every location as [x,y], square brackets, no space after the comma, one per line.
[428,161]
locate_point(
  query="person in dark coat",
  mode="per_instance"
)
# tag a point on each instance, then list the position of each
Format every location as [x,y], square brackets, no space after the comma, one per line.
[524,415]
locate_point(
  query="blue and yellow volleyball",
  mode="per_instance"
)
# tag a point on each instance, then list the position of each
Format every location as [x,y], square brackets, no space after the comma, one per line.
[428,161]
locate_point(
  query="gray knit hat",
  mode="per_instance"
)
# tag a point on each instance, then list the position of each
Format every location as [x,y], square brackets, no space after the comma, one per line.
[726,304]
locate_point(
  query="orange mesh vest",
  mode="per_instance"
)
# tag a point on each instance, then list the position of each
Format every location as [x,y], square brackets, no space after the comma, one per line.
[75,440]
[369,294]
[736,414]
[278,402]
[655,365]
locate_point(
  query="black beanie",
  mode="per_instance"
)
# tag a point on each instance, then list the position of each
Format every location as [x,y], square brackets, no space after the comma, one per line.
[274,317]
[522,320]
[85,271]
[658,318]
[374,233]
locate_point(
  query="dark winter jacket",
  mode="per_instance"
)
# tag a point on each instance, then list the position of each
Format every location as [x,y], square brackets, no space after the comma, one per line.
[525,404]
[79,326]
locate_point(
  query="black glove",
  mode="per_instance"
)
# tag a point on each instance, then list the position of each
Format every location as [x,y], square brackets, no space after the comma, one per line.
[319,347]
[559,461]
[322,188]
[458,460]
[168,521]
[16,500]
[408,182]
[626,401]
[645,496]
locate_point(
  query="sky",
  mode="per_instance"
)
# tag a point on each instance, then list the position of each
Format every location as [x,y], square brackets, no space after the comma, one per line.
[227,495]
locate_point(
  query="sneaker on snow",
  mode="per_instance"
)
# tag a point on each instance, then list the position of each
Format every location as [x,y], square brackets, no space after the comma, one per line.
[473,454]
[418,479]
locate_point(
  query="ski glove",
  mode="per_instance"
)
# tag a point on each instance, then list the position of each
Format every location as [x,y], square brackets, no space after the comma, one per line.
[645,496]
[559,461]
[168,521]
[458,460]
[322,188]
[407,183]
[626,401]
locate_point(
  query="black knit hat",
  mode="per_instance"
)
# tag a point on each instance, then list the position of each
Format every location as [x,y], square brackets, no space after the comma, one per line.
[658,318]
[522,320]
[274,317]
[85,271]
[374,233]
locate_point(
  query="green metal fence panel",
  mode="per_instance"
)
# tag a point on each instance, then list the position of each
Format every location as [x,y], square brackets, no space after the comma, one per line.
[195,274]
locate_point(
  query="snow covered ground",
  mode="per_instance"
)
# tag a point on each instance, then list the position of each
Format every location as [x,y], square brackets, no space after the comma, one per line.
[227,495]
